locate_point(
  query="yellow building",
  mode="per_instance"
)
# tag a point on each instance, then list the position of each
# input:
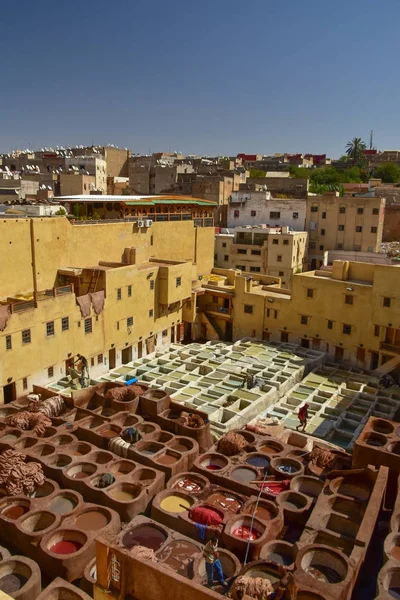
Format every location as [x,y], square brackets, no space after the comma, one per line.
[348,223]
[51,266]
[351,312]
[273,251]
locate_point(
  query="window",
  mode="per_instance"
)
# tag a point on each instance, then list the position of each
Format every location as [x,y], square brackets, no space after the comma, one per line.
[323,215]
[377,331]
[375,211]
[119,295]
[321,247]
[295,215]
[236,214]
[253,213]
[256,252]
[347,329]
[279,258]
[281,274]
[322,231]
[330,324]
[314,209]
[88,325]
[374,229]
[99,359]
[358,229]
[360,210]
[348,299]
[339,247]
[272,313]
[312,245]
[25,383]
[240,267]
[50,372]
[310,293]
[255,269]
[274,215]
[340,227]
[286,242]
[129,322]
[152,284]
[178,281]
[50,328]
[342,210]
[165,333]
[92,362]
[151,312]
[8,342]
[226,257]
[224,245]
[275,241]
[65,324]
[242,251]
[248,309]
[304,320]
[129,291]
[386,302]
[26,336]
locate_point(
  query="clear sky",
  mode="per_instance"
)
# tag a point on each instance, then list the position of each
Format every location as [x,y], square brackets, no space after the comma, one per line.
[209,77]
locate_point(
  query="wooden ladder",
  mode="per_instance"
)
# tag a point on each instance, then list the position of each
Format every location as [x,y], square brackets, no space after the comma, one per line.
[93,281]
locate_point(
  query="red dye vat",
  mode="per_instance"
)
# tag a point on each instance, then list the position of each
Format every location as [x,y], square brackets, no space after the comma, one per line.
[213,467]
[244,533]
[275,487]
[65,547]
[205,516]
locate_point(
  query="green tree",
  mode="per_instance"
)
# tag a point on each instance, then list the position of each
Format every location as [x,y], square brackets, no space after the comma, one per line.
[355,150]
[388,172]
[325,176]
[257,173]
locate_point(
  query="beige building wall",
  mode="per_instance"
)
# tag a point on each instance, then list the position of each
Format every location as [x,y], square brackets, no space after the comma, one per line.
[117,160]
[72,184]
[172,255]
[335,223]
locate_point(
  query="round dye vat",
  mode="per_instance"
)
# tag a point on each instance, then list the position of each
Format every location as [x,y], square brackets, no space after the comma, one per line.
[12,583]
[175,504]
[271,448]
[122,495]
[65,547]
[177,555]
[144,535]
[9,438]
[262,512]
[258,461]
[15,512]
[188,485]
[211,467]
[108,433]
[324,573]
[243,475]
[92,520]
[287,469]
[167,459]
[62,505]
[243,532]
[224,501]
[180,448]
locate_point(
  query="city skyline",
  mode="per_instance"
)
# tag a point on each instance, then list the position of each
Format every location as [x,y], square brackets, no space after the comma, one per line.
[215,79]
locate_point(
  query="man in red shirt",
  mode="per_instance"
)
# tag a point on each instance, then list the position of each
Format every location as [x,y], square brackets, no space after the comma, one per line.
[303,416]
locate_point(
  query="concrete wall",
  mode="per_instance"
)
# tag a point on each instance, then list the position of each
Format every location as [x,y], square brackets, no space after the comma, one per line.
[117,160]
[72,184]
[391,224]
[292,213]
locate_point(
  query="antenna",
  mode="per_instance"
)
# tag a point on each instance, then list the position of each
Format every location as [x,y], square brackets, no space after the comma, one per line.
[371,140]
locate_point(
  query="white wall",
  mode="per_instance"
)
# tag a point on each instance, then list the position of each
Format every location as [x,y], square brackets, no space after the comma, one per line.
[263,205]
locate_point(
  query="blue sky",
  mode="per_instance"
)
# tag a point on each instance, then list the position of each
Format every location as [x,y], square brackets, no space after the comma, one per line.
[210,77]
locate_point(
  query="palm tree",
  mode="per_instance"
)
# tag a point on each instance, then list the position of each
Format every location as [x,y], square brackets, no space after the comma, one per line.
[355,149]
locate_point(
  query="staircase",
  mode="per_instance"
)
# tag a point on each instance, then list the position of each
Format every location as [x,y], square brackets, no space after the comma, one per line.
[93,281]
[214,323]
[387,367]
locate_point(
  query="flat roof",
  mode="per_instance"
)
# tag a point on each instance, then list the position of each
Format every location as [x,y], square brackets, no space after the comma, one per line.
[137,199]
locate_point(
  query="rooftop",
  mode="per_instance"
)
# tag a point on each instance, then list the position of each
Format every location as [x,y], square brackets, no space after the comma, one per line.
[136,199]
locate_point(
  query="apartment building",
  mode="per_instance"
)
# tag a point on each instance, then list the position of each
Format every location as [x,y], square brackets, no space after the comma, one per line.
[351,312]
[347,223]
[266,250]
[255,207]
[94,165]
[152,175]
[109,291]
[75,183]
[286,187]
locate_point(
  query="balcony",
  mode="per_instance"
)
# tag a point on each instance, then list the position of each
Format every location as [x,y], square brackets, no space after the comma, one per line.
[20,305]
[214,308]
[389,348]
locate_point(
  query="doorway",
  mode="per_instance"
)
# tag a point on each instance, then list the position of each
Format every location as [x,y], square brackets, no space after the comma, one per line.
[266,336]
[228,331]
[338,354]
[305,343]
[172,334]
[9,393]
[284,337]
[374,361]
[316,343]
[313,264]
[126,355]
[140,349]
[112,358]
[69,363]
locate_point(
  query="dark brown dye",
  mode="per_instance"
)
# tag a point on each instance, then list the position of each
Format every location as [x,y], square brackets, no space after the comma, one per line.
[188,485]
[144,535]
[108,433]
[224,501]
[167,459]
[15,512]
[92,520]
[180,448]
[179,555]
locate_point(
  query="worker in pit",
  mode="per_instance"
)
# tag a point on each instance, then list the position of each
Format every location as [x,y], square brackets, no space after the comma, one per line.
[211,556]
[303,416]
